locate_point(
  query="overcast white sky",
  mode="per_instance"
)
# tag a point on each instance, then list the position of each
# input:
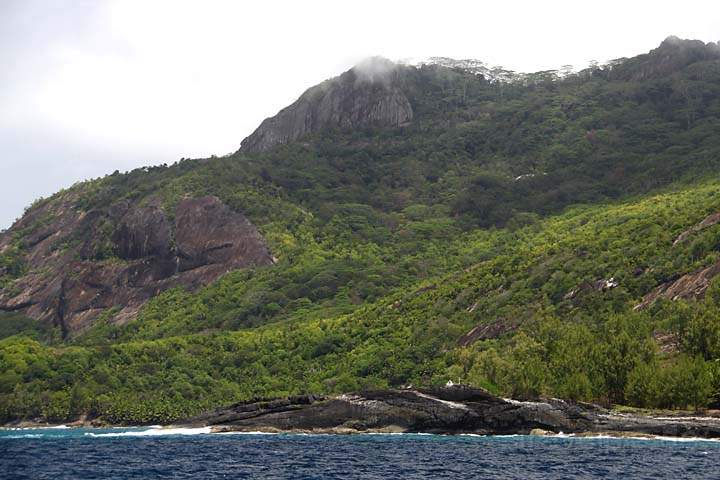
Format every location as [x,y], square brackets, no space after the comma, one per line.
[88,87]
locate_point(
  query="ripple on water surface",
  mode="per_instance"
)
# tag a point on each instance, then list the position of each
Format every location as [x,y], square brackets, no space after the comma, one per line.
[142,453]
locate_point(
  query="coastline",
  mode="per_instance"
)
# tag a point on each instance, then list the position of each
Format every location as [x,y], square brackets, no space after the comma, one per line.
[450,410]
[172,430]
[453,410]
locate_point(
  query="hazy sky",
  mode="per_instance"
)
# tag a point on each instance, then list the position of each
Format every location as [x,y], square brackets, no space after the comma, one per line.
[88,87]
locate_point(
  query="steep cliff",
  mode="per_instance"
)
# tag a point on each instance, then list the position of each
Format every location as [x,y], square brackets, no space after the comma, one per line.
[142,251]
[370,94]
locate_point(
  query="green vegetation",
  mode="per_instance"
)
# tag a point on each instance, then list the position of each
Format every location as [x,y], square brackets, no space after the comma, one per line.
[501,206]
[14,323]
[178,357]
[11,265]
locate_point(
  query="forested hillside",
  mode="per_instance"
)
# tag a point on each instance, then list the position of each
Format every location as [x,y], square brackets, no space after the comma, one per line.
[521,234]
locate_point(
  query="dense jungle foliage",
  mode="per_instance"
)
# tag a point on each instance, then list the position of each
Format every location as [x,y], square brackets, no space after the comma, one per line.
[490,209]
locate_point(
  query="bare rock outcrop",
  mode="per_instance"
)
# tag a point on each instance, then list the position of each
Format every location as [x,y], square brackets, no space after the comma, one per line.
[369,94]
[689,286]
[234,243]
[667,342]
[707,222]
[487,331]
[143,232]
[64,284]
[672,55]
[600,285]
[449,410]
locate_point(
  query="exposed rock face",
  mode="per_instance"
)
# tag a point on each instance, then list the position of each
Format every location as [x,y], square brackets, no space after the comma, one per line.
[455,409]
[370,94]
[601,285]
[65,286]
[143,232]
[707,222]
[488,331]
[234,241]
[672,55]
[689,286]
[667,342]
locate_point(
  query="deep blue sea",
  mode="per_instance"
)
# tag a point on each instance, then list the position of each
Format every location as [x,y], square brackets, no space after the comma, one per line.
[147,453]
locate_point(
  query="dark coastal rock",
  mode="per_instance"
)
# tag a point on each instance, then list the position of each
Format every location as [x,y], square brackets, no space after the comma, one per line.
[452,410]
[369,94]
[67,285]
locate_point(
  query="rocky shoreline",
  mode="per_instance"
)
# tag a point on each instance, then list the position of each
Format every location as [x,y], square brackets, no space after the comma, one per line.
[447,410]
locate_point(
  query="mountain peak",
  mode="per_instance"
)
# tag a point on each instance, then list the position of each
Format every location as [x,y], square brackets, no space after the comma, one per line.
[369,94]
[673,54]
[673,41]
[374,69]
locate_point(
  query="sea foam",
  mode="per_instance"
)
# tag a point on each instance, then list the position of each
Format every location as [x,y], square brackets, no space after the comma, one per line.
[153,432]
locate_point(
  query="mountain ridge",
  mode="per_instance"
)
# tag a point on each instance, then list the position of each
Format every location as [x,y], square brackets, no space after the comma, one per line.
[371,93]
[506,230]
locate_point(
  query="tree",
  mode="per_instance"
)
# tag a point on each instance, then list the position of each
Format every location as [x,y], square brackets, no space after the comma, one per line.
[643,387]
[688,382]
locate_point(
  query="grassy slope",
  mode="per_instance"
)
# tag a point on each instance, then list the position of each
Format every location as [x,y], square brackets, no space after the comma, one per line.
[588,348]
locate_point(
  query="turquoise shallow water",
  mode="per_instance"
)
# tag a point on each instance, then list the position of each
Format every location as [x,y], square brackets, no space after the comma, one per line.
[144,453]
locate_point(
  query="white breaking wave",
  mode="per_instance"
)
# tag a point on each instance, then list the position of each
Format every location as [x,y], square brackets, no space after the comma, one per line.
[573,436]
[248,433]
[157,431]
[54,427]
[154,432]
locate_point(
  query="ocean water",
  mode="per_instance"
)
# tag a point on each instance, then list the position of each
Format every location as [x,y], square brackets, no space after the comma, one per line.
[147,453]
